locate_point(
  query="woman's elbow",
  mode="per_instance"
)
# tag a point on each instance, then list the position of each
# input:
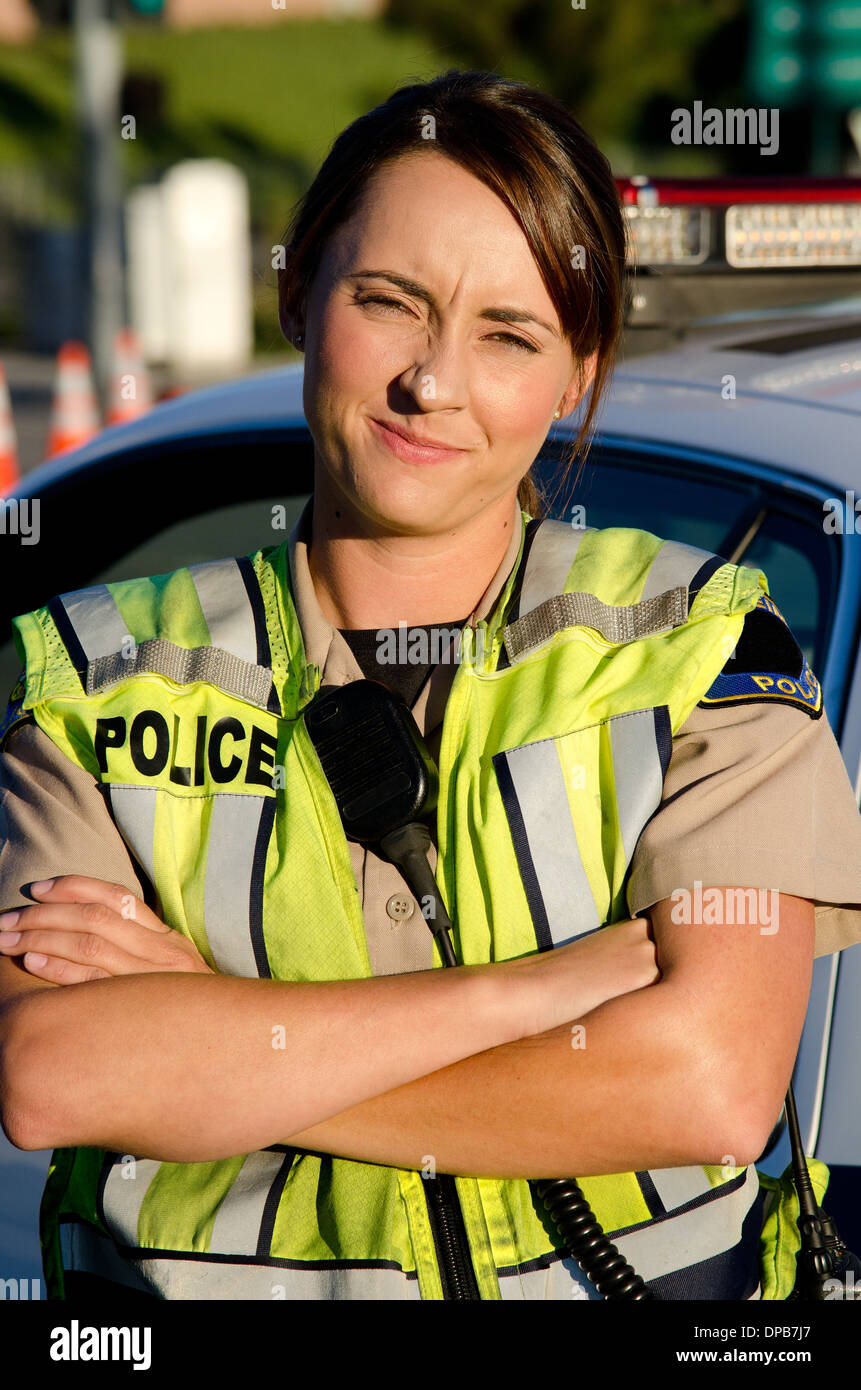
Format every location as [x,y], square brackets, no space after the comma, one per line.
[735,1128]
[30,1109]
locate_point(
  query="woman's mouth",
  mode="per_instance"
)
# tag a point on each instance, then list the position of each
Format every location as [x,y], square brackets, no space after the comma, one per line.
[413,453]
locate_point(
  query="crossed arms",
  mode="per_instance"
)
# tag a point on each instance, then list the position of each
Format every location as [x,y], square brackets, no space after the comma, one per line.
[159,1057]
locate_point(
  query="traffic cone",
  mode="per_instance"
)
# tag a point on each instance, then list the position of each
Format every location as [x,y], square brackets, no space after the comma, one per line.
[9,471]
[75,412]
[131,388]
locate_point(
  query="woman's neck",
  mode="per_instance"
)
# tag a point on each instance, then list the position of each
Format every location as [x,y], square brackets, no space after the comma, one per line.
[378,580]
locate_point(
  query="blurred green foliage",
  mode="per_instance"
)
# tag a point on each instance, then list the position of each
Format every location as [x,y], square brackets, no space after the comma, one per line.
[620,66]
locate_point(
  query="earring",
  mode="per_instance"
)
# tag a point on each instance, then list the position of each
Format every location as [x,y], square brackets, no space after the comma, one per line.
[556,414]
[299,340]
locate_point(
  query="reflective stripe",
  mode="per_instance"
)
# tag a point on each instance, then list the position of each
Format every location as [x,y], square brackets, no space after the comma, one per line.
[239,1227]
[90,620]
[624,623]
[710,1251]
[675,563]
[732,1273]
[707,1230]
[533,792]
[194,1276]
[184,665]
[133,810]
[550,558]
[98,624]
[84,1249]
[126,1183]
[641,743]
[663,602]
[532,786]
[226,607]
[677,1186]
[557,1280]
[239,832]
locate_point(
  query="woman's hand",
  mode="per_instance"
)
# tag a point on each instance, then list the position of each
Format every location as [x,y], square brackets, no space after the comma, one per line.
[87,929]
[571,980]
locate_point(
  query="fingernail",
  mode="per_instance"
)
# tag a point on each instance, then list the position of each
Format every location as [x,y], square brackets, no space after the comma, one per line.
[8,919]
[35,958]
[9,938]
[43,885]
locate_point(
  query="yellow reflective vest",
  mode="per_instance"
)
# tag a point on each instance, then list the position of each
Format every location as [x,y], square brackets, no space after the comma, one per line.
[183,694]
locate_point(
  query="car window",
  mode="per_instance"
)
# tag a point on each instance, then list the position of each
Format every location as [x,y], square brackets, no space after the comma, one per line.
[237,529]
[796,560]
[151,512]
[669,504]
[667,498]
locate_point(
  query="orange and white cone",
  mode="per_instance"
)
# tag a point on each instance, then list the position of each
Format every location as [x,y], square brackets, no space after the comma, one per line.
[131,388]
[9,471]
[75,413]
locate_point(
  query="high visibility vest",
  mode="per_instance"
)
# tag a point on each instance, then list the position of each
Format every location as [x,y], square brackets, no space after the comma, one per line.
[183,695]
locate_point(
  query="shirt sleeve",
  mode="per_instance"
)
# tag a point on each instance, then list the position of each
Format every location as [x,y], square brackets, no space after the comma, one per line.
[757,795]
[53,820]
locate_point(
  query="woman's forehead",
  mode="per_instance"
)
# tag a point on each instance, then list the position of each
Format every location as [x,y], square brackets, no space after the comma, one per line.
[446,228]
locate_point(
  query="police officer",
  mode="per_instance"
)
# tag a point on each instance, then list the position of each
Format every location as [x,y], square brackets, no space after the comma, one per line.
[623,726]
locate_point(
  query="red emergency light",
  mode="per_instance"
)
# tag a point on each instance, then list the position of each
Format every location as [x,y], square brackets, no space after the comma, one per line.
[754,223]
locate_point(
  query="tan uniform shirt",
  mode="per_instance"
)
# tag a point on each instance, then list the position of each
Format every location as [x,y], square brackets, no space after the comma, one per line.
[754,797]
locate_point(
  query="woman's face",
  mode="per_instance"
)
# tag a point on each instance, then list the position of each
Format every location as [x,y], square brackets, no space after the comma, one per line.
[428,312]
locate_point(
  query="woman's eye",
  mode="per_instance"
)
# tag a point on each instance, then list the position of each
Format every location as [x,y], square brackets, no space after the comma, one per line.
[518,342]
[396,304]
[382,299]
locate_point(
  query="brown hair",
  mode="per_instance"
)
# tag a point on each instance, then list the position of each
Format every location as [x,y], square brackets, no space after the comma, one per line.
[529,149]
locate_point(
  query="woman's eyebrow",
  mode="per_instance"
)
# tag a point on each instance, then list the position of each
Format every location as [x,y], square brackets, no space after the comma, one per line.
[503,314]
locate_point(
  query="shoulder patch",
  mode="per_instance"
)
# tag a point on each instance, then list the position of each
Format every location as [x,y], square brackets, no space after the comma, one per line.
[767,665]
[15,714]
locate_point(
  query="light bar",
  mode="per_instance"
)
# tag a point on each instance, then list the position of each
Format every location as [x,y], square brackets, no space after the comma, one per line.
[793,234]
[669,235]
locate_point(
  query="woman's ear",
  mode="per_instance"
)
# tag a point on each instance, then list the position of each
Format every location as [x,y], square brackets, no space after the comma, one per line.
[579,384]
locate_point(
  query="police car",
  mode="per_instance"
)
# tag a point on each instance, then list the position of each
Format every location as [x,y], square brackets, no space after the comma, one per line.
[745,441]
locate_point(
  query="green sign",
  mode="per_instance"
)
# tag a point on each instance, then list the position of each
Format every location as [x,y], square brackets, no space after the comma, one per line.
[836,30]
[806,51]
[778,60]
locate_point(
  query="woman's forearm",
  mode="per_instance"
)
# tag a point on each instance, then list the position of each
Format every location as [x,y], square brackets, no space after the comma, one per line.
[194,1067]
[190,1067]
[540,1107]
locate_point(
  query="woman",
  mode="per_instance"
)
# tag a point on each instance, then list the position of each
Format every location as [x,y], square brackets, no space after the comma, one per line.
[454,276]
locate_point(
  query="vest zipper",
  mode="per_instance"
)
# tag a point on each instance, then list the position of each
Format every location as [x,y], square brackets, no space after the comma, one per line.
[449,1238]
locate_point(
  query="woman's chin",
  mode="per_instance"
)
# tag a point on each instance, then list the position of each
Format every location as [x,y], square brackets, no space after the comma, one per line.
[406,509]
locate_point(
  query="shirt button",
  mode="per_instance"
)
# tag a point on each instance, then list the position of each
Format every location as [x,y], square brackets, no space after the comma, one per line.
[400,906]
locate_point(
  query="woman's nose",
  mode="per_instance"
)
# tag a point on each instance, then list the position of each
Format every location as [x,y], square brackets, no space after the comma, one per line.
[438,372]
